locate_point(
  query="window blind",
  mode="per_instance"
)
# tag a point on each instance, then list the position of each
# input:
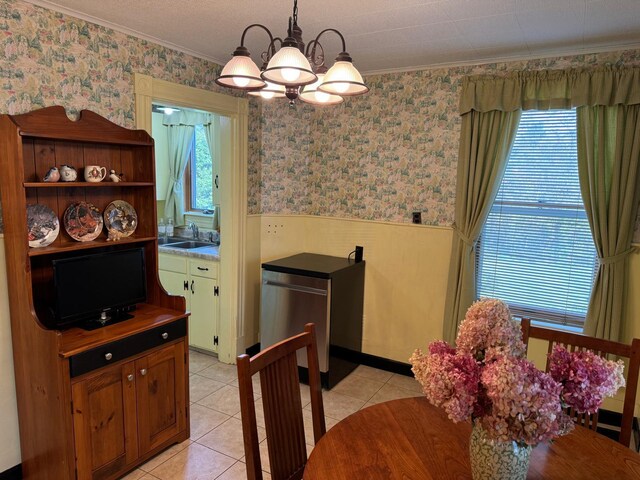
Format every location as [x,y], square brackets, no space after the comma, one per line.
[536,251]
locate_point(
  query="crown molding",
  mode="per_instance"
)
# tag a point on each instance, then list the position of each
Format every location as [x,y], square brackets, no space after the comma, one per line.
[508,59]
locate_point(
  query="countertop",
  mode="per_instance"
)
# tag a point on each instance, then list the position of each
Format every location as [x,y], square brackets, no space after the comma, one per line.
[204,253]
[311,265]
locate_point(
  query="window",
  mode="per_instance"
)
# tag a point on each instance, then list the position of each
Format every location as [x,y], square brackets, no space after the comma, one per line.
[199,174]
[536,251]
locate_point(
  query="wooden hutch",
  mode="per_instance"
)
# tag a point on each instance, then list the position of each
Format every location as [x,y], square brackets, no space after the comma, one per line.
[91,404]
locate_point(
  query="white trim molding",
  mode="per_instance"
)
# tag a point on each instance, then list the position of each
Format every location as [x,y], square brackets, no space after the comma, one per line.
[233,168]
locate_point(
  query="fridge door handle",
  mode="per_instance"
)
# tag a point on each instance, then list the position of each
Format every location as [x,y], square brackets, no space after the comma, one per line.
[296,288]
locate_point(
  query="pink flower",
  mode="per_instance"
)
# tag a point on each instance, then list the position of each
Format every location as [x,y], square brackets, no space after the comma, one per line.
[487,379]
[449,380]
[587,378]
[524,402]
[488,331]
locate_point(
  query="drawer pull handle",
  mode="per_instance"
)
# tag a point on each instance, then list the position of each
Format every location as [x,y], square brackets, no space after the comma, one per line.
[130,377]
[108,356]
[192,290]
[204,269]
[143,372]
[165,335]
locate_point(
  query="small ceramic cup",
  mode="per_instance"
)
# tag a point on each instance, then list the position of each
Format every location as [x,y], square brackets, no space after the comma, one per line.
[94,173]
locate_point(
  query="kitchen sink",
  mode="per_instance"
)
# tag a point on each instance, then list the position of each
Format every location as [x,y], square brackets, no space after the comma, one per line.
[167,241]
[189,244]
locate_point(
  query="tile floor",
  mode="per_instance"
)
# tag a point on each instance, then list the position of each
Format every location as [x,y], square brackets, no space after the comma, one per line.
[215,449]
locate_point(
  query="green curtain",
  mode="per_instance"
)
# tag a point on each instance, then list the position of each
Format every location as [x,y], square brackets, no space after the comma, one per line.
[478,181]
[485,143]
[548,89]
[181,128]
[180,142]
[609,171]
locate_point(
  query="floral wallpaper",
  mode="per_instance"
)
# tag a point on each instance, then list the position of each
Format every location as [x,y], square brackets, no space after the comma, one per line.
[376,157]
[52,59]
[383,155]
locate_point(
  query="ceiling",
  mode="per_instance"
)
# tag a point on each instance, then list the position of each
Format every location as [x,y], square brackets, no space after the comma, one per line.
[381,35]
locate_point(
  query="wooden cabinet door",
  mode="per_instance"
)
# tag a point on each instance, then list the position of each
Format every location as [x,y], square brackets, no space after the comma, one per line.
[162,395]
[104,420]
[203,322]
[174,283]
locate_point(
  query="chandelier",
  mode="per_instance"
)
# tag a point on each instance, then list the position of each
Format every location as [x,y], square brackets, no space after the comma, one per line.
[292,71]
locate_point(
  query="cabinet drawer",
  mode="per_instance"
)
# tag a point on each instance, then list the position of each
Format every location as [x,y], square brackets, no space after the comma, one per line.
[127,347]
[172,263]
[203,268]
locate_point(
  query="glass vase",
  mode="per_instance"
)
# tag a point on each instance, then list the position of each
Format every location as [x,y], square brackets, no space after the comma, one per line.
[495,460]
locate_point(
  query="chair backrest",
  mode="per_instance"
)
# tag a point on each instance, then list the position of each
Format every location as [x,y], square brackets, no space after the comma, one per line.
[282,406]
[576,341]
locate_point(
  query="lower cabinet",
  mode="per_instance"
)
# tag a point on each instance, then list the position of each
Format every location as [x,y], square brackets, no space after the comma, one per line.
[124,411]
[197,281]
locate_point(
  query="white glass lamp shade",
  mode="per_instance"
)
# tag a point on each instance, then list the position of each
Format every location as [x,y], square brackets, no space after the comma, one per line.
[241,72]
[343,79]
[289,67]
[271,90]
[311,94]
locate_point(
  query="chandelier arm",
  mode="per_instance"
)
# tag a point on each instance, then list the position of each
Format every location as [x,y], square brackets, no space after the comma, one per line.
[344,46]
[316,59]
[256,25]
[270,51]
[272,46]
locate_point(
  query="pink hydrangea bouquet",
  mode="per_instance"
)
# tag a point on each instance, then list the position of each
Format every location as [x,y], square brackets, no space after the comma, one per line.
[487,379]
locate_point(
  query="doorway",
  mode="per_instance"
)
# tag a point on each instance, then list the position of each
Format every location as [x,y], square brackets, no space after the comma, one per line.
[233,114]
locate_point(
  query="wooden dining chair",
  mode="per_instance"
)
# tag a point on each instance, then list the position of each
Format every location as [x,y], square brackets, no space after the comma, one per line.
[576,341]
[282,406]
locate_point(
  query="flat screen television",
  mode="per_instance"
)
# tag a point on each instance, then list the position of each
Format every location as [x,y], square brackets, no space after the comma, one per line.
[99,286]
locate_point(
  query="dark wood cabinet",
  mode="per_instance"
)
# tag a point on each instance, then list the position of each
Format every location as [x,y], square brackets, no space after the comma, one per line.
[91,404]
[104,421]
[127,410]
[161,400]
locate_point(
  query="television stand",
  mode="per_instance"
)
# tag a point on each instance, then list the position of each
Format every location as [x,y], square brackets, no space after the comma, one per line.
[92,404]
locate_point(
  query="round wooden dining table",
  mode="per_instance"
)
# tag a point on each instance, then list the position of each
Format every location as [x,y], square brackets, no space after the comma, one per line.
[410,439]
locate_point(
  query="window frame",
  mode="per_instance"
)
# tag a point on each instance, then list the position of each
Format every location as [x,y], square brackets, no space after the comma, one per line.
[188,186]
[551,210]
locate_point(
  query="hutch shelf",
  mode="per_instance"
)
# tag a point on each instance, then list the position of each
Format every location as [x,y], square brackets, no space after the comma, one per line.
[92,404]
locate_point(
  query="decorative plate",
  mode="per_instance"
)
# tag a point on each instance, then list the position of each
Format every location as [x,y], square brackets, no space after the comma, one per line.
[83,221]
[43,225]
[121,219]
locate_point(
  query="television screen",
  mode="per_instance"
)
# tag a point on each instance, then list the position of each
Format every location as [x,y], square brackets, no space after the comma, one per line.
[88,285]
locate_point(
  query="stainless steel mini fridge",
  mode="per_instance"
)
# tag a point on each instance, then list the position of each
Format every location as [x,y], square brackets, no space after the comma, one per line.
[325,290]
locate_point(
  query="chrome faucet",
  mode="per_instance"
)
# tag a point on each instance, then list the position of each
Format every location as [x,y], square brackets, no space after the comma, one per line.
[194,229]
